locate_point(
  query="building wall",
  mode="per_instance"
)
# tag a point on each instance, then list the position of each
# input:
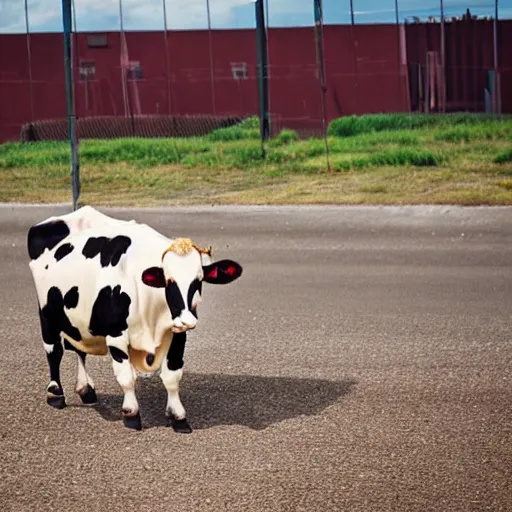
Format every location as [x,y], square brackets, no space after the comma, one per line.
[469,47]
[366,70]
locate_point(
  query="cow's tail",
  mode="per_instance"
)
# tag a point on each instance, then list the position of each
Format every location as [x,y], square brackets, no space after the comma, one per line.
[139,358]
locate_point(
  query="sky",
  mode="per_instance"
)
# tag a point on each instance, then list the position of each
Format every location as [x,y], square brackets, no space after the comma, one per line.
[103,15]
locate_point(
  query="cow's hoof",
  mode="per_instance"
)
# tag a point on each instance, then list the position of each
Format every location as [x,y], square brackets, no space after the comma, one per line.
[88,395]
[57,401]
[180,426]
[132,422]
[55,397]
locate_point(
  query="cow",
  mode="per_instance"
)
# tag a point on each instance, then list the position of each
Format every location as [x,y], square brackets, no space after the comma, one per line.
[112,287]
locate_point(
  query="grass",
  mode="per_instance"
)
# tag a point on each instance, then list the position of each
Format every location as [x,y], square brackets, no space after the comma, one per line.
[356,125]
[388,159]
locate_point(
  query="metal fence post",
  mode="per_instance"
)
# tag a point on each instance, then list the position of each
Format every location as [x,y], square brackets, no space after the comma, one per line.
[320,60]
[261,49]
[497,82]
[75,176]
[29,57]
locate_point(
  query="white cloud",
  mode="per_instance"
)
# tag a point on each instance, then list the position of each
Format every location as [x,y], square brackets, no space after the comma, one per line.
[12,14]
[104,14]
[46,15]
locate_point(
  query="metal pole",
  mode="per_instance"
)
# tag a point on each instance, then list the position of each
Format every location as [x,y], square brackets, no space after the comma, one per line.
[212,71]
[497,82]
[167,70]
[29,57]
[123,58]
[74,50]
[354,58]
[443,58]
[261,49]
[267,24]
[75,176]
[399,53]
[319,37]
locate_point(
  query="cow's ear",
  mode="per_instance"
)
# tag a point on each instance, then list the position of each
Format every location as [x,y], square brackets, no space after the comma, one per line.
[154,276]
[222,272]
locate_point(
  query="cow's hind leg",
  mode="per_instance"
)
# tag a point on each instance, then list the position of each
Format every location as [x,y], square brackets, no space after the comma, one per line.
[126,377]
[54,392]
[84,383]
[52,343]
[171,373]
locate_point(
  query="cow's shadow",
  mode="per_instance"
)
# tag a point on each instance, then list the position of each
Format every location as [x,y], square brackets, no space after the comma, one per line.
[214,399]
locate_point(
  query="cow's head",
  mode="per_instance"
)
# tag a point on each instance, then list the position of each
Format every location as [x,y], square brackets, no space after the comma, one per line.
[184,268]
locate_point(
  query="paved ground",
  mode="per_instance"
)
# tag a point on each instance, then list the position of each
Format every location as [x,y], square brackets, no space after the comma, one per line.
[362,363]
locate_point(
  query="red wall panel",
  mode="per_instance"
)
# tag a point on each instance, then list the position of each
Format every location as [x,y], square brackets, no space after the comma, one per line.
[362,72]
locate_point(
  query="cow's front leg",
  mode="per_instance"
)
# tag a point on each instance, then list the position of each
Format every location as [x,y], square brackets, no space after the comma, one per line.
[126,376]
[171,373]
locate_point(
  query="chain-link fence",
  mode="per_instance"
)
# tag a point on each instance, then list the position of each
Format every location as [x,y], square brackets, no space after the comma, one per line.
[160,64]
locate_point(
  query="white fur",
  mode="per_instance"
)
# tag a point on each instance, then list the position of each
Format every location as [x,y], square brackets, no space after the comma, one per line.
[48,348]
[52,383]
[171,380]
[125,375]
[82,377]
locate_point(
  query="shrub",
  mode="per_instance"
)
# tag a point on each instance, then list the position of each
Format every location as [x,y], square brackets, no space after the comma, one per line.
[287,136]
[504,157]
[353,125]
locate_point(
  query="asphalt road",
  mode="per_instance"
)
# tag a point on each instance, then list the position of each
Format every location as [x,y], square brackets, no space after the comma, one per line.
[362,363]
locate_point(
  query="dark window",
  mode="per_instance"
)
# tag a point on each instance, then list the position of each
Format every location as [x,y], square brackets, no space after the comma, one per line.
[87,70]
[239,70]
[97,41]
[135,71]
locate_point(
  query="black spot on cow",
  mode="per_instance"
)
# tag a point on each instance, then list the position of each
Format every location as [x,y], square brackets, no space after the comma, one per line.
[110,312]
[109,249]
[117,354]
[93,246]
[176,351]
[63,251]
[71,298]
[174,299]
[54,319]
[45,236]
[195,286]
[114,249]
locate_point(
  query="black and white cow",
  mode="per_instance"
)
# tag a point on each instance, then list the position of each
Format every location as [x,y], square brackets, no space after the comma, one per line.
[110,286]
